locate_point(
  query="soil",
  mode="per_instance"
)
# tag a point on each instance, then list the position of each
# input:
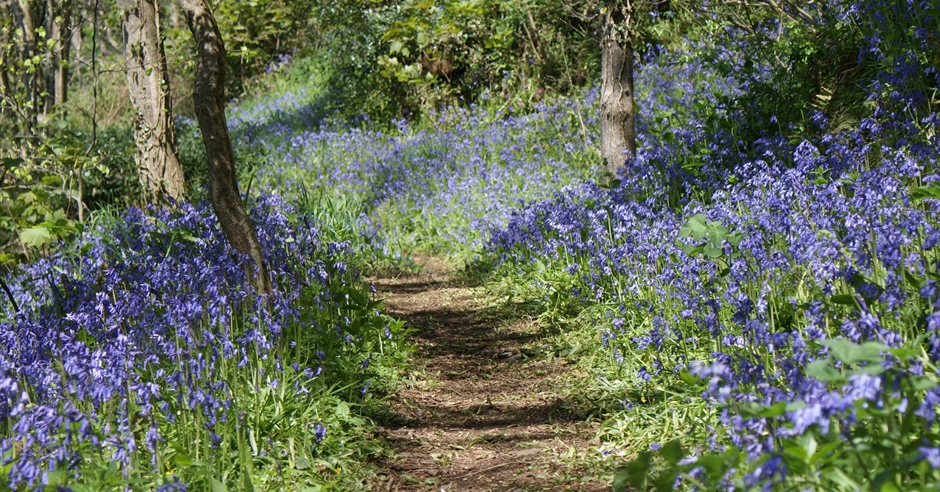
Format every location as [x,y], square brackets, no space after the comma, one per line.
[479,414]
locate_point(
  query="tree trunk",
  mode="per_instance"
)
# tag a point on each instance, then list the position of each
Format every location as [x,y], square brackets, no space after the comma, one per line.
[32,81]
[147,82]
[209,100]
[59,29]
[618,136]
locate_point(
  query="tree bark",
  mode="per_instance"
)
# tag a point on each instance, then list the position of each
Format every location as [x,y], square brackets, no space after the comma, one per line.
[618,135]
[32,81]
[147,81]
[59,29]
[209,100]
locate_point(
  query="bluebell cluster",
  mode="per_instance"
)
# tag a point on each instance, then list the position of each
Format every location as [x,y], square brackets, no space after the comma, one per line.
[443,183]
[746,269]
[150,322]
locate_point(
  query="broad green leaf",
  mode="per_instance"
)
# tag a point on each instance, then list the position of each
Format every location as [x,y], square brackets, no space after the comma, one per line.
[621,480]
[713,252]
[10,163]
[27,197]
[716,232]
[716,466]
[182,459]
[423,39]
[36,236]
[852,353]
[694,228]
[823,371]
[217,486]
[635,473]
[672,452]
[691,249]
[666,480]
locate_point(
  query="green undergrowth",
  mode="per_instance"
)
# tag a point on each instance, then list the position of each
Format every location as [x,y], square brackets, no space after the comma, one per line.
[634,413]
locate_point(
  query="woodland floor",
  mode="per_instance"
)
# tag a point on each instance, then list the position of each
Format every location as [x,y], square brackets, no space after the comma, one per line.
[479,414]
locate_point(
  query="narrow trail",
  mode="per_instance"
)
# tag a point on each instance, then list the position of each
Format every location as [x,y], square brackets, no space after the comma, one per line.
[480,415]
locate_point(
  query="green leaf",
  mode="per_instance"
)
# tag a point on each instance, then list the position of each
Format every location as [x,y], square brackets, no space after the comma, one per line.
[182,459]
[342,410]
[712,252]
[694,228]
[634,473]
[691,249]
[753,409]
[904,352]
[822,453]
[809,444]
[248,486]
[621,480]
[689,379]
[716,232]
[666,480]
[838,476]
[922,193]
[423,39]
[914,281]
[823,371]
[27,198]
[716,466]
[672,452]
[922,383]
[795,452]
[844,299]
[10,163]
[852,353]
[217,486]
[871,370]
[36,236]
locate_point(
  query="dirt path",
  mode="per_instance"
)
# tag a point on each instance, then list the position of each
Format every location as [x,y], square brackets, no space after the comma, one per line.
[480,415]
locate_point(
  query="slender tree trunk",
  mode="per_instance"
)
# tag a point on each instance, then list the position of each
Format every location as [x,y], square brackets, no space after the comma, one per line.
[59,30]
[63,22]
[27,50]
[209,99]
[7,108]
[618,136]
[147,82]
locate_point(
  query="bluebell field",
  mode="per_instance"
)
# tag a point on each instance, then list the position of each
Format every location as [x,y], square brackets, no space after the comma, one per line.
[794,279]
[777,281]
[786,282]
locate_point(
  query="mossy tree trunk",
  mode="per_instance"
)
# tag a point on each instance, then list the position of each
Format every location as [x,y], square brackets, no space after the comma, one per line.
[618,135]
[209,100]
[148,85]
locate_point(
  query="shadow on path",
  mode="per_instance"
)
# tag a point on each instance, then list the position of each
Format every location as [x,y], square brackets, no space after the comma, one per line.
[479,416]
